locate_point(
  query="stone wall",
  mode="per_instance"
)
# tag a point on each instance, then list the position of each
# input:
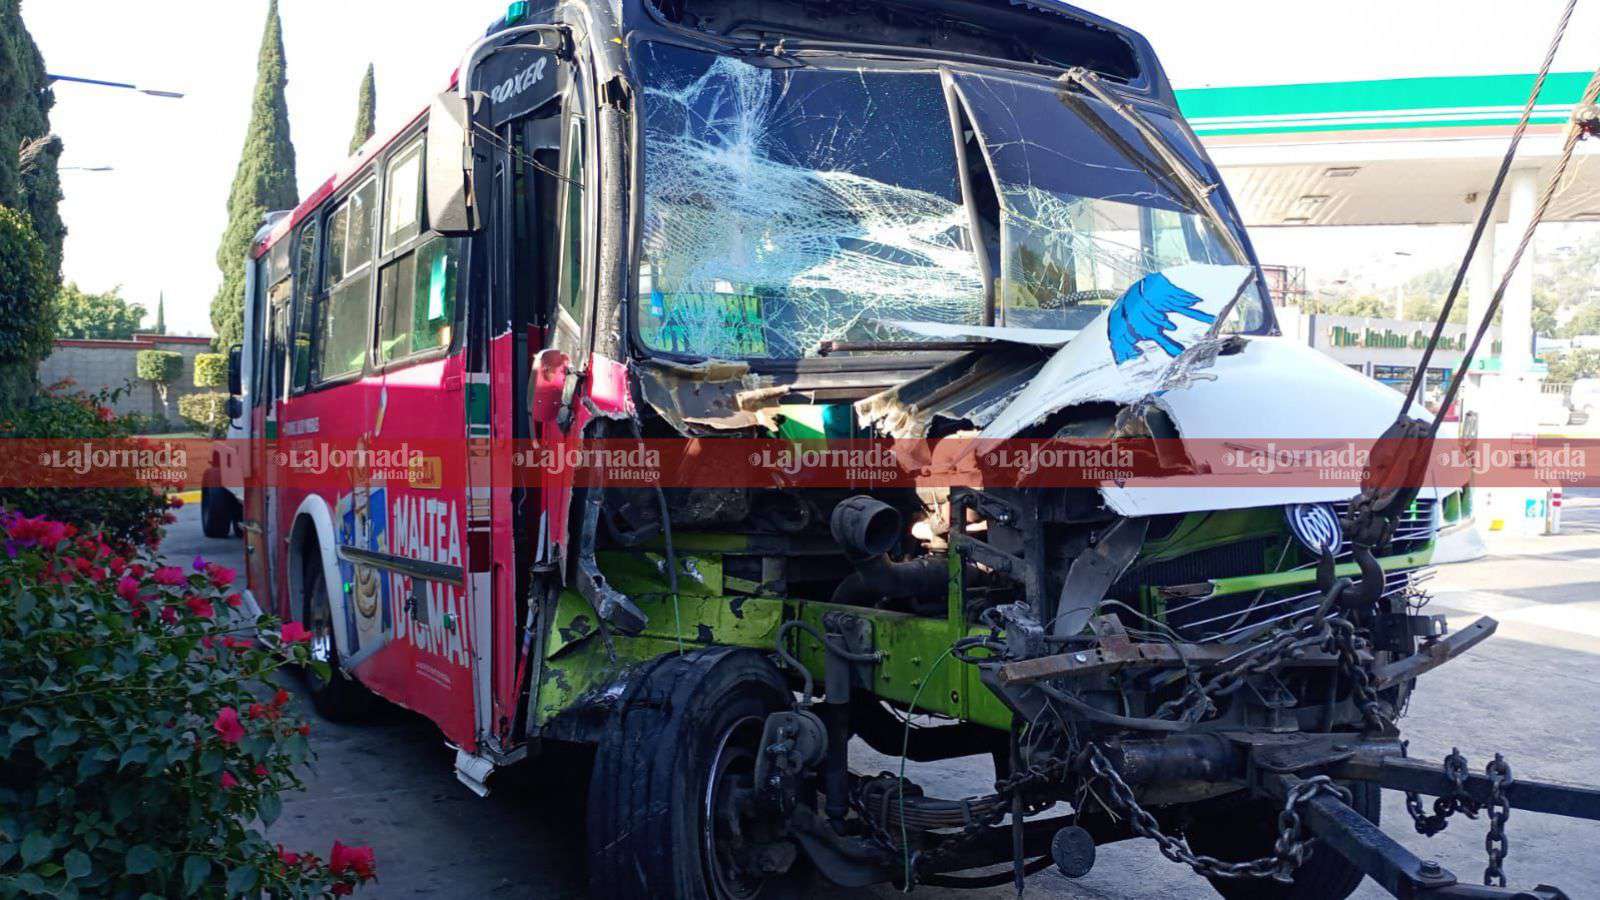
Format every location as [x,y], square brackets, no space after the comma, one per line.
[98,365]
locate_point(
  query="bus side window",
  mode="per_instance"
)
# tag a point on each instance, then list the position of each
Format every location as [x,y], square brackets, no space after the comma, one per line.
[561,211]
[417,287]
[305,280]
[569,289]
[341,339]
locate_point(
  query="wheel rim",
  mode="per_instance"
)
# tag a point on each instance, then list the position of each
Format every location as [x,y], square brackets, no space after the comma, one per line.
[320,622]
[730,779]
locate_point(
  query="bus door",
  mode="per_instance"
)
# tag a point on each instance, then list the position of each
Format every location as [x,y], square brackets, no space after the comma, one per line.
[268,310]
[542,179]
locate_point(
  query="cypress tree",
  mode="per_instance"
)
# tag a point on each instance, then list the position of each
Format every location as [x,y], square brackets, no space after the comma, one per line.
[29,181]
[366,111]
[30,222]
[264,182]
[161,313]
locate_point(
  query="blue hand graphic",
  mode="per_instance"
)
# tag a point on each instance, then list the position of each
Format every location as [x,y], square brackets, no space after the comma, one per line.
[1144,313]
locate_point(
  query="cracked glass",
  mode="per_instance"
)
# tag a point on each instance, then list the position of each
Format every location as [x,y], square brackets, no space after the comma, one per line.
[1086,206]
[789,205]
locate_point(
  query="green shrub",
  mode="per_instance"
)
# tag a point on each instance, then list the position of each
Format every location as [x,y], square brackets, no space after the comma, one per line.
[141,745]
[125,516]
[27,292]
[160,367]
[207,412]
[211,370]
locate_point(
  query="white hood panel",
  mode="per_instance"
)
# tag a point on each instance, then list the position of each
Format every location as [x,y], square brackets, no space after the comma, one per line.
[1271,391]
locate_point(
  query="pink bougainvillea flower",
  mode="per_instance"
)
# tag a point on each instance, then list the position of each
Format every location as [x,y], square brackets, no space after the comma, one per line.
[228,726]
[200,607]
[294,633]
[359,860]
[236,643]
[171,576]
[228,781]
[280,698]
[341,889]
[221,576]
[289,859]
[233,600]
[199,563]
[175,501]
[169,615]
[128,588]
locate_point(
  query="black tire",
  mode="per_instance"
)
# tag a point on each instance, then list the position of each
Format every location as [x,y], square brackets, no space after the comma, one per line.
[339,697]
[218,512]
[651,830]
[1249,830]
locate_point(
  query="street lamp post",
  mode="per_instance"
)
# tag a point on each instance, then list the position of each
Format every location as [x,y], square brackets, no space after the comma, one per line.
[169,95]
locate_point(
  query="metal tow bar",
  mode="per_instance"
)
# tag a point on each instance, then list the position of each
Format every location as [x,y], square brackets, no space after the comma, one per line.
[1399,871]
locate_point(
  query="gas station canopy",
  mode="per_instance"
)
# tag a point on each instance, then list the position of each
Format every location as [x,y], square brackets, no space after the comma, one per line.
[1408,151]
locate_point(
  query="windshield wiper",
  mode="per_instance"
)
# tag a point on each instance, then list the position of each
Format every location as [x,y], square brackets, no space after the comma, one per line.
[1198,189]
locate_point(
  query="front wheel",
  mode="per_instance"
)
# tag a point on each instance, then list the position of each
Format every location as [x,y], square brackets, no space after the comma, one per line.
[1250,830]
[672,809]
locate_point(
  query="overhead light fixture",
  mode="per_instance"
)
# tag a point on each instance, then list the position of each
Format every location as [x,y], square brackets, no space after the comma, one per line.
[1587,214]
[1296,220]
[1313,200]
[1340,171]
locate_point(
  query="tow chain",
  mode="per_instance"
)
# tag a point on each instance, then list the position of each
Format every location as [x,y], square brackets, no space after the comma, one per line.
[1373,709]
[1495,842]
[1458,801]
[1290,851]
[1447,805]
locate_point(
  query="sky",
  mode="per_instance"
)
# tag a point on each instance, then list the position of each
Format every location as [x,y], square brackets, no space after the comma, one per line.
[152,225]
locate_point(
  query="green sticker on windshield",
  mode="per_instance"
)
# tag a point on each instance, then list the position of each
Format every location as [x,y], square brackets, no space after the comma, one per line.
[720,324]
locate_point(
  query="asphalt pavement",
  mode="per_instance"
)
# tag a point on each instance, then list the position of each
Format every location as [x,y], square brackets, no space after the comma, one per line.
[1529,692]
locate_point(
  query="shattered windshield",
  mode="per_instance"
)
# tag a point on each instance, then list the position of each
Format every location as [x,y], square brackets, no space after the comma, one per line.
[787,206]
[1086,207]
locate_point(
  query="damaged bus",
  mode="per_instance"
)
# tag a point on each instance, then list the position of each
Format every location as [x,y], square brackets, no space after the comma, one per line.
[686,222]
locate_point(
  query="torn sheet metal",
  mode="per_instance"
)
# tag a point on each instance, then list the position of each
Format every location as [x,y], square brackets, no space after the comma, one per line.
[1128,350]
[965,393]
[708,396]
